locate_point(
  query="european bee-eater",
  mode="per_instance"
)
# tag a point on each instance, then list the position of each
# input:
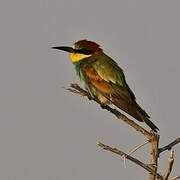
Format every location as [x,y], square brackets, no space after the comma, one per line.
[104,79]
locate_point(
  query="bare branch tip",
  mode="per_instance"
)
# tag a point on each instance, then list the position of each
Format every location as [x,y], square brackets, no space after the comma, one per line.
[174,178]
[98,143]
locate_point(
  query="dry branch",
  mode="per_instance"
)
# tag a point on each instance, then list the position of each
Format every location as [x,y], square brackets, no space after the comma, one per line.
[154,155]
[134,160]
[169,165]
[175,178]
[169,146]
[152,138]
[75,88]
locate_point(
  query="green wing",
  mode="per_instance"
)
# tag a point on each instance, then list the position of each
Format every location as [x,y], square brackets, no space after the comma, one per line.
[109,70]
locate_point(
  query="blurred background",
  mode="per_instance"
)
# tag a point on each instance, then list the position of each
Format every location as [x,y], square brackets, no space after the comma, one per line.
[47,133]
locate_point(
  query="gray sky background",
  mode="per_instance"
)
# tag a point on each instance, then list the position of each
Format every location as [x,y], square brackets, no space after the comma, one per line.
[47,133]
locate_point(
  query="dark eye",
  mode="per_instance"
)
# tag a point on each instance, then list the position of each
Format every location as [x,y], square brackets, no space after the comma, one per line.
[84,51]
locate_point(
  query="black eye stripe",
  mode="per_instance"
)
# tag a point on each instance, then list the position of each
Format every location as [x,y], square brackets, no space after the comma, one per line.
[84,51]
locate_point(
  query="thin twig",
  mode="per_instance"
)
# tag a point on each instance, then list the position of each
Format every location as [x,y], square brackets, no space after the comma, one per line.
[134,160]
[134,150]
[169,146]
[75,88]
[175,178]
[138,147]
[169,165]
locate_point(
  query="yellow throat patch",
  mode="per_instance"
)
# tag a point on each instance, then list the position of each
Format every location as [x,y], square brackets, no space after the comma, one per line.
[75,57]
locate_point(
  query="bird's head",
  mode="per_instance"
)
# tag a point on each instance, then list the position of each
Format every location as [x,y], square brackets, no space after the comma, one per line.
[81,49]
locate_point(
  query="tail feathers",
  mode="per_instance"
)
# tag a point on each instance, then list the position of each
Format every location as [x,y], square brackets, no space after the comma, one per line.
[134,110]
[129,106]
[151,125]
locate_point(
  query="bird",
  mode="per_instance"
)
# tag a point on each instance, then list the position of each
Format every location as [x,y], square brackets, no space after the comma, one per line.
[104,79]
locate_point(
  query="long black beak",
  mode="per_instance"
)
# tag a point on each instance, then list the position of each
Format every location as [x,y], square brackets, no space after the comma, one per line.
[64,48]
